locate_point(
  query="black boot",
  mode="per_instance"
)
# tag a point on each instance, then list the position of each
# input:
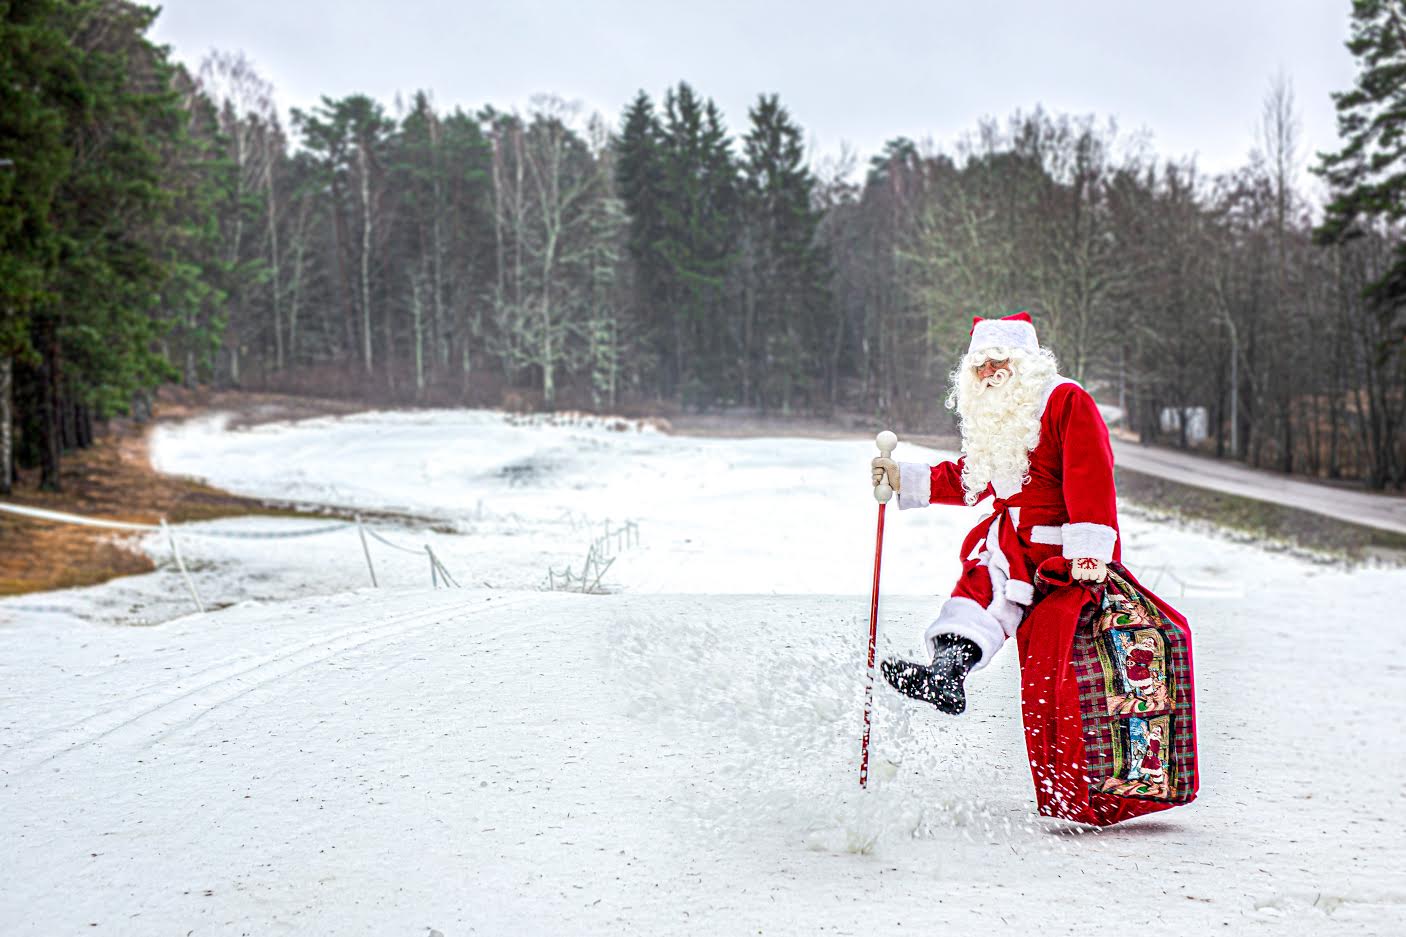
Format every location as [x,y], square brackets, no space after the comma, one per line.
[939,683]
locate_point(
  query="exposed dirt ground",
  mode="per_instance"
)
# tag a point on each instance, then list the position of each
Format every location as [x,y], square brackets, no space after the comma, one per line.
[114,479]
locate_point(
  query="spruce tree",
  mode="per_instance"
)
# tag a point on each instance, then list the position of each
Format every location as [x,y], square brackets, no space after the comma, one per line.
[1368,175]
[94,330]
[785,317]
[34,56]
[467,160]
[200,181]
[697,243]
[1368,181]
[639,178]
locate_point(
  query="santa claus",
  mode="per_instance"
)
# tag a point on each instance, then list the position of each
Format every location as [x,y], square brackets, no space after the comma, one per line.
[1154,772]
[1036,444]
[1142,679]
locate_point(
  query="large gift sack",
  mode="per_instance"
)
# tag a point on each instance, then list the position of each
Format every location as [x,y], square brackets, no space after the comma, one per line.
[1108,698]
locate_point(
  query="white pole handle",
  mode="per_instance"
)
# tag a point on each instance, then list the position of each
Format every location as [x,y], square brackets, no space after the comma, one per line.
[886,442]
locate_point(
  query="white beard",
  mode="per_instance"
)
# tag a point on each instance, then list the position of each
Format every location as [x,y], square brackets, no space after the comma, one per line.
[1001,424]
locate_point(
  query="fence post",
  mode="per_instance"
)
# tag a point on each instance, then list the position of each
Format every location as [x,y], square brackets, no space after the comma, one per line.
[181,564]
[595,586]
[443,572]
[361,531]
[434,573]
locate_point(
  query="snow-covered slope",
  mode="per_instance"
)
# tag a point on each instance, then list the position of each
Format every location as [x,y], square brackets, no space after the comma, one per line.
[765,516]
[507,761]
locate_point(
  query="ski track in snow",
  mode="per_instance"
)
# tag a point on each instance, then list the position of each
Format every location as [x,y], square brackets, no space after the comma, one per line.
[227,681]
[678,757]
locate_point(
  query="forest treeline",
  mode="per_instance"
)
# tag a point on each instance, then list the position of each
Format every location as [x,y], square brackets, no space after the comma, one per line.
[158,225]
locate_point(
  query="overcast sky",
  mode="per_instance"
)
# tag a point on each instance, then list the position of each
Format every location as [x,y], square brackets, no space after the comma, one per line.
[1192,74]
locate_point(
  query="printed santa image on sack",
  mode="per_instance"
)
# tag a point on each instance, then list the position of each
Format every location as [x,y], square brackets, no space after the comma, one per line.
[1107,690]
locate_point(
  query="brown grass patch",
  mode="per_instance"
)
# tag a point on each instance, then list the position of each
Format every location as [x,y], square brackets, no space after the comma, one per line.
[114,479]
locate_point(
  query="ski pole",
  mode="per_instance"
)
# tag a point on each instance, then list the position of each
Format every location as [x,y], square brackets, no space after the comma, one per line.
[882,492]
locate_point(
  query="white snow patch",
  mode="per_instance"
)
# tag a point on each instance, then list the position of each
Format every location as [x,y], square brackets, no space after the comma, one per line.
[681,757]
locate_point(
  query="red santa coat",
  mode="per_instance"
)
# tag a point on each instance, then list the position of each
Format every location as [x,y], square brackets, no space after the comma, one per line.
[1067,505]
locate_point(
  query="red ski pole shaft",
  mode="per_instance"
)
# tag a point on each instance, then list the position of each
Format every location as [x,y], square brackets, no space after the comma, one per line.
[882,492]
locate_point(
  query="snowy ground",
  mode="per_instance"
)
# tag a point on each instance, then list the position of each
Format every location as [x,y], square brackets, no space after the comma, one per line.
[679,756]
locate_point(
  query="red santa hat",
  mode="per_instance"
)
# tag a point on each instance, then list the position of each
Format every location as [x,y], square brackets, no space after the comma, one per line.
[1013,331]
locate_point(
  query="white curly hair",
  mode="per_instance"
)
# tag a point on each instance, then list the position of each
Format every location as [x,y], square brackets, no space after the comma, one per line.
[1000,424]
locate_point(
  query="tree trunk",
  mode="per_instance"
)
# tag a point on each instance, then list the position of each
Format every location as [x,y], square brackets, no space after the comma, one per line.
[299,250]
[273,263]
[7,437]
[365,258]
[68,423]
[548,353]
[49,444]
[440,329]
[85,426]
[417,308]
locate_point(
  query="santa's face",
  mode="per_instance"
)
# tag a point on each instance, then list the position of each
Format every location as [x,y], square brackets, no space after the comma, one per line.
[987,401]
[993,373]
[997,394]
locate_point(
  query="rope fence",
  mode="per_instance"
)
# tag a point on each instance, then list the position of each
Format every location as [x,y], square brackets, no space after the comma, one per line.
[599,558]
[438,572]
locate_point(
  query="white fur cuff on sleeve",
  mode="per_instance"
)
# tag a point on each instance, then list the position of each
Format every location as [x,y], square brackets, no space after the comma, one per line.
[1092,540]
[914,485]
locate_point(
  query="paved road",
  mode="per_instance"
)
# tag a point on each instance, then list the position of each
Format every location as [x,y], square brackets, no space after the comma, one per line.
[1370,509]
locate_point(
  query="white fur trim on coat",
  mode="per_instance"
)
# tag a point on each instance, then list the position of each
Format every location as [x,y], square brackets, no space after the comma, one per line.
[1046,533]
[914,485]
[1021,593]
[965,618]
[1003,333]
[1091,540]
[1049,391]
[1008,614]
[1005,490]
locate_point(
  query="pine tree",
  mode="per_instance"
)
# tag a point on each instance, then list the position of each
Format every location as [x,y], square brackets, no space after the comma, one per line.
[416,181]
[785,317]
[95,330]
[1368,175]
[467,160]
[251,148]
[697,242]
[200,180]
[33,161]
[1368,181]
[639,177]
[349,137]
